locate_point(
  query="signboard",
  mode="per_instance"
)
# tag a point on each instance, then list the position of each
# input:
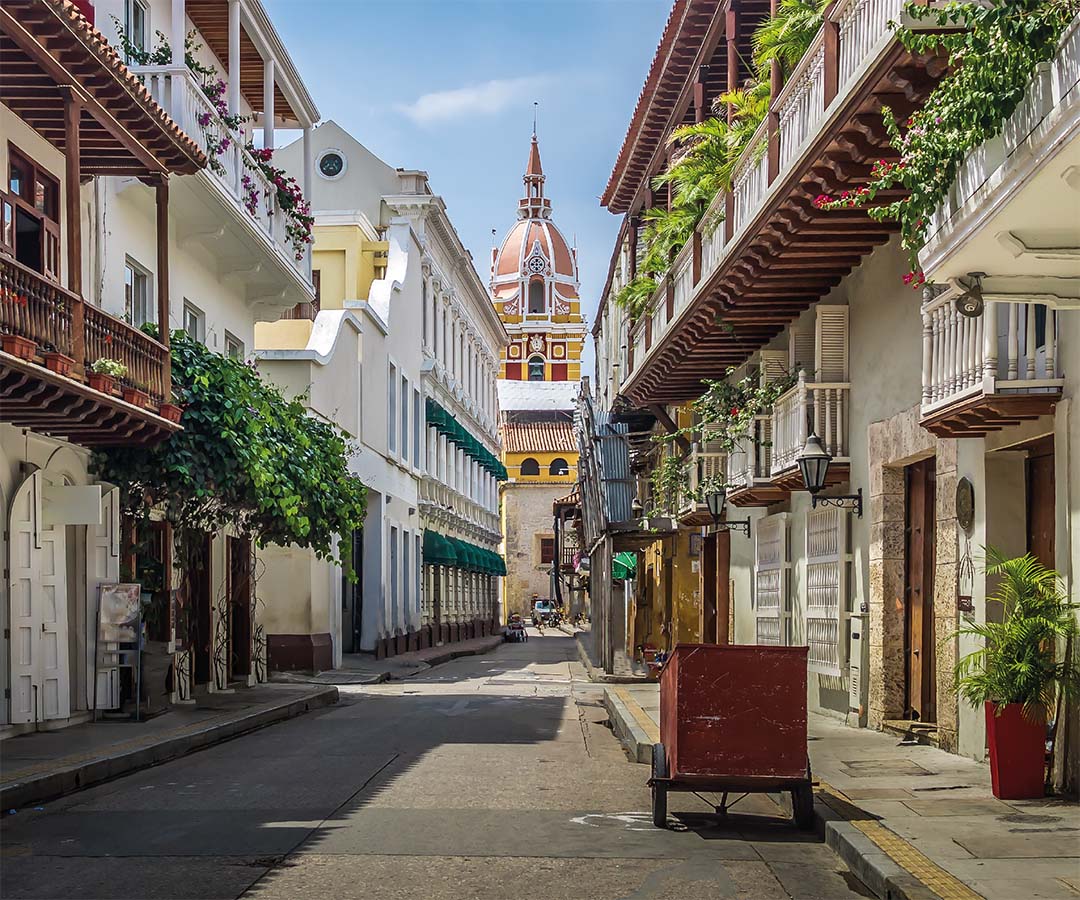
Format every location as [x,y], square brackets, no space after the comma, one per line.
[120,612]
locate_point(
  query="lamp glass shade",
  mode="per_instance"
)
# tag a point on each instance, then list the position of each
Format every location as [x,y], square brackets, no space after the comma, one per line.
[814,464]
[716,501]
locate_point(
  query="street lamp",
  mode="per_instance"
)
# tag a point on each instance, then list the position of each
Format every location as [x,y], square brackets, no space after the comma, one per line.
[814,466]
[717,503]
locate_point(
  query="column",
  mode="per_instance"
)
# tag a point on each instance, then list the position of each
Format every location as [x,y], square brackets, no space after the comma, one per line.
[268,102]
[234,57]
[161,201]
[179,32]
[309,181]
[73,214]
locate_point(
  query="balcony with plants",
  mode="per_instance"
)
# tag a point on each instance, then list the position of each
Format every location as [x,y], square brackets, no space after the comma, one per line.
[761,220]
[264,197]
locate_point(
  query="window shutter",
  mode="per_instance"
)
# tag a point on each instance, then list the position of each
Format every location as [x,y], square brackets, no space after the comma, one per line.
[826,587]
[773,365]
[770,580]
[831,344]
[801,353]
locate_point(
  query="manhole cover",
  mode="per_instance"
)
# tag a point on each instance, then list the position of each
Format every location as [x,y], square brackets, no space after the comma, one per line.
[865,768]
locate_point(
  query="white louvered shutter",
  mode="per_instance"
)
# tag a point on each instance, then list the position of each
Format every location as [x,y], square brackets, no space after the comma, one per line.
[801,353]
[826,587]
[773,365]
[770,580]
[831,344]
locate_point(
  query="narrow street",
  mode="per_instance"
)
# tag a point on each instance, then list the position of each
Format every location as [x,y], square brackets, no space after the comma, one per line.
[488,777]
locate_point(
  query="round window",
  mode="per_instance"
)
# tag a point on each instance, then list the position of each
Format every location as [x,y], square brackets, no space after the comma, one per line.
[331,164]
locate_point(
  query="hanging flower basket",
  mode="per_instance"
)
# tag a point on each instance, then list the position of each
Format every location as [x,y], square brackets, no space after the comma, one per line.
[58,362]
[16,345]
[134,396]
[101,382]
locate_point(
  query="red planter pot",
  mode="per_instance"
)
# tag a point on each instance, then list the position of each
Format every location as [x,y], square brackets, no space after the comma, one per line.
[58,363]
[106,384]
[1017,753]
[171,411]
[134,396]
[24,348]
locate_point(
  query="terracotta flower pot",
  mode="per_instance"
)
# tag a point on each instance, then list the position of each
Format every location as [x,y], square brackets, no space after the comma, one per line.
[99,381]
[58,363]
[24,348]
[134,396]
[171,411]
[1017,753]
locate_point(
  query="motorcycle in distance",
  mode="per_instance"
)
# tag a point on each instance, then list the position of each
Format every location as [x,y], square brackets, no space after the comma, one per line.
[515,631]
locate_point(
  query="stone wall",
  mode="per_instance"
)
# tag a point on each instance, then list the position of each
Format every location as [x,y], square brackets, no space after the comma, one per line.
[894,443]
[527,517]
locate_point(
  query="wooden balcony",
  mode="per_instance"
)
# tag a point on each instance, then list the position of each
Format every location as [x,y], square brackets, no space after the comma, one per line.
[983,374]
[749,481]
[58,321]
[818,407]
[706,468]
[764,252]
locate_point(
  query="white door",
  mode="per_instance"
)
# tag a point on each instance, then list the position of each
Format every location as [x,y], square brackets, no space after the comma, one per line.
[39,614]
[103,567]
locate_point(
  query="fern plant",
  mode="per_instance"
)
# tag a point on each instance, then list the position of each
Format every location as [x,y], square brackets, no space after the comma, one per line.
[1020,660]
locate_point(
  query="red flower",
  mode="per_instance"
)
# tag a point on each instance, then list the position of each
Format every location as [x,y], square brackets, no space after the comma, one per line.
[108,339]
[734,411]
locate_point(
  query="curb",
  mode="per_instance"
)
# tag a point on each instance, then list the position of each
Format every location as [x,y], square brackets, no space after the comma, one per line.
[630,734]
[598,677]
[52,785]
[875,868]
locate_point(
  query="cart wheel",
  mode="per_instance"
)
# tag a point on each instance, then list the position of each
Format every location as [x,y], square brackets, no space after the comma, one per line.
[802,806]
[659,791]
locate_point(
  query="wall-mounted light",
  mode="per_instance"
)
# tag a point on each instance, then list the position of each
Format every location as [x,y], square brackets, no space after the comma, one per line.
[814,466]
[717,503]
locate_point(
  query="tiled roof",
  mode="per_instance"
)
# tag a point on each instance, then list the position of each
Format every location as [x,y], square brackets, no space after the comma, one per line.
[539,437]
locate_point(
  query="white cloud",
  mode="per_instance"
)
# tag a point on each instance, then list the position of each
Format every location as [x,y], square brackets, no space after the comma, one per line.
[483,99]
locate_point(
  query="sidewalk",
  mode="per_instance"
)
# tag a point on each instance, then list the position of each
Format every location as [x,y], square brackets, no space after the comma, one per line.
[45,765]
[364,668]
[911,821]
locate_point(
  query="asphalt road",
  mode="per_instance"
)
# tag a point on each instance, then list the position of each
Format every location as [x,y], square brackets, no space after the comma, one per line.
[489,777]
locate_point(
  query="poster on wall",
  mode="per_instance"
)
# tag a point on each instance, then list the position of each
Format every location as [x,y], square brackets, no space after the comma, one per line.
[119,615]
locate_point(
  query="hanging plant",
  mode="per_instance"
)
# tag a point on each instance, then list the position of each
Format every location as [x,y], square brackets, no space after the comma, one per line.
[668,481]
[247,458]
[992,58]
[290,198]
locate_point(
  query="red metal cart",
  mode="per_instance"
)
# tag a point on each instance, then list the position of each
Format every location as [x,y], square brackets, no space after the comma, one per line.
[733,720]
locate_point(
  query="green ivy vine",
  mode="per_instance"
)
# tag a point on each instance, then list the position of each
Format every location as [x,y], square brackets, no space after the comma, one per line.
[247,457]
[993,55]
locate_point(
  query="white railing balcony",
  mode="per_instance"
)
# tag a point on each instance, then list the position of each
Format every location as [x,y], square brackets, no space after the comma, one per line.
[801,105]
[177,90]
[822,408]
[751,178]
[863,24]
[749,463]
[703,471]
[1011,348]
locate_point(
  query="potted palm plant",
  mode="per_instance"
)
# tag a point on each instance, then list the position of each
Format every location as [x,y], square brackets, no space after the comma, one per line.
[1023,666]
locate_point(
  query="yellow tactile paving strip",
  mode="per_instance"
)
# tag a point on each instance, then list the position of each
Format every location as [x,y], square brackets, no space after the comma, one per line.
[946,886]
[650,728]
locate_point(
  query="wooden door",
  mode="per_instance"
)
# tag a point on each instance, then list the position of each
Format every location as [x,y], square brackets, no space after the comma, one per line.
[708,589]
[1040,501]
[920,644]
[199,618]
[239,561]
[103,567]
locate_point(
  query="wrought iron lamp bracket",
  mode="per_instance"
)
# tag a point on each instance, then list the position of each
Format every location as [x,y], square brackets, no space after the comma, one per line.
[846,501]
[742,525]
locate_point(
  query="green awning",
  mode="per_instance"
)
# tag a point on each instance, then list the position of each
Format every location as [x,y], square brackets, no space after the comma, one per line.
[444,423]
[437,550]
[498,564]
[624,565]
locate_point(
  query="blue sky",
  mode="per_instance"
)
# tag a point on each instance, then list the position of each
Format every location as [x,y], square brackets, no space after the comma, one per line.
[448,87]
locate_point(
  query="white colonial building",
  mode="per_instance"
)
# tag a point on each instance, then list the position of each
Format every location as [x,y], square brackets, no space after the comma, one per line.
[400,349]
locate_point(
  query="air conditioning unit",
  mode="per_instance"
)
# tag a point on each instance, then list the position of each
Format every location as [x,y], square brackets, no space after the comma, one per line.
[858,663]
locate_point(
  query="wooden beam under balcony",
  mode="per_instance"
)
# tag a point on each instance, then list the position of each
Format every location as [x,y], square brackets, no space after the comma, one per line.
[792,253]
[978,415]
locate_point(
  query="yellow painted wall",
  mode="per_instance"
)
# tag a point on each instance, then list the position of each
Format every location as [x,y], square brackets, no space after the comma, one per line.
[651,623]
[347,262]
[513,461]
